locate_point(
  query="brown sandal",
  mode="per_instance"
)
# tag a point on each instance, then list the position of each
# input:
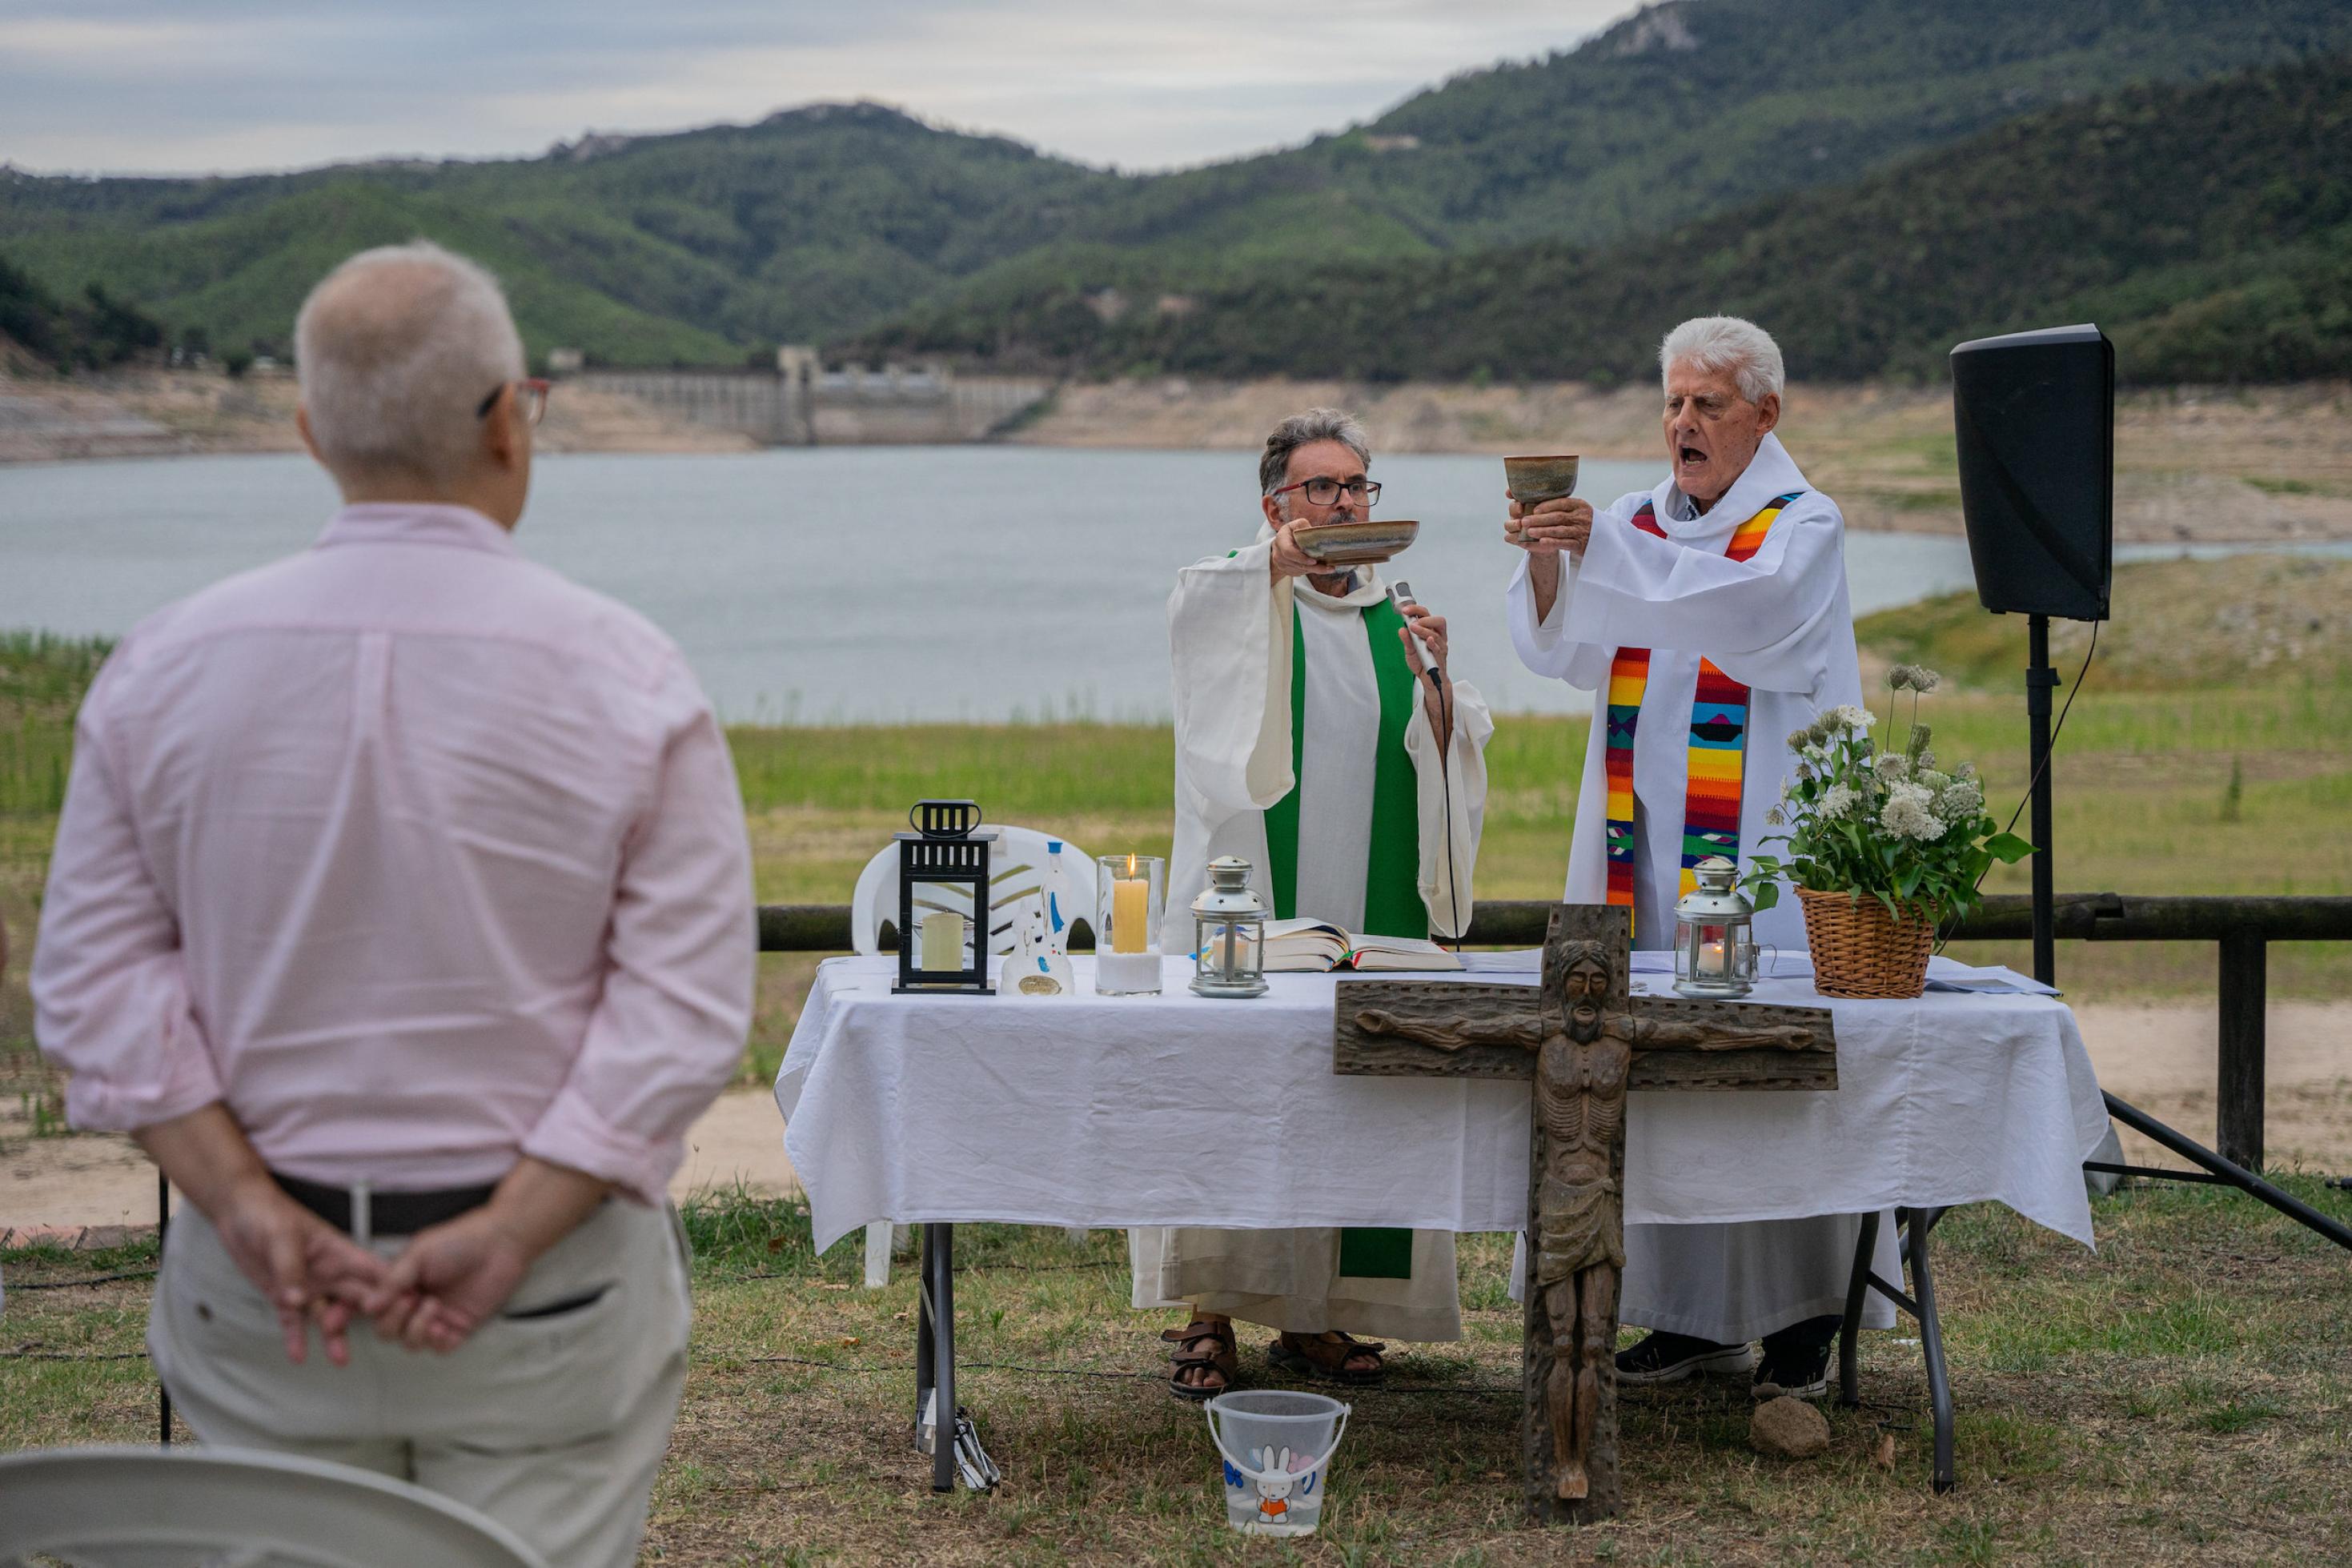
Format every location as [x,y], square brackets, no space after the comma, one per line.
[1316,1356]
[1224,1361]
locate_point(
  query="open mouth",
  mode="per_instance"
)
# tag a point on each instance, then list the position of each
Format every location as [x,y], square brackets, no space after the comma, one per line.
[1690,456]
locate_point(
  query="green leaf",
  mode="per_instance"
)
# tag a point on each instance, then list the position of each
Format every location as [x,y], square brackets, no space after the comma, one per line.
[2007,848]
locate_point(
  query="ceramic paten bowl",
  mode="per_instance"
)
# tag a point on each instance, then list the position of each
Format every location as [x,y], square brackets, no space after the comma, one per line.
[1356,544]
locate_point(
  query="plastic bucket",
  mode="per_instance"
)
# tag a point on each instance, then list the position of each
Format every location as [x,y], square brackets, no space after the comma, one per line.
[1277,1445]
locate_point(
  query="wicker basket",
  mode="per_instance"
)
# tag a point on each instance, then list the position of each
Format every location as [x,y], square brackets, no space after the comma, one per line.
[1859,950]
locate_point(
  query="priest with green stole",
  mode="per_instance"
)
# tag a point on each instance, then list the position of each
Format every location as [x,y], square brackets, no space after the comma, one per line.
[1319,737]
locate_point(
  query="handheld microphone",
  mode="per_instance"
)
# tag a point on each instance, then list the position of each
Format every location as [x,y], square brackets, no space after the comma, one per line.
[1400,595]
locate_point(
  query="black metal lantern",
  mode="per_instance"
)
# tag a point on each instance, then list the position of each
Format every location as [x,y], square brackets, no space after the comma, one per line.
[943,909]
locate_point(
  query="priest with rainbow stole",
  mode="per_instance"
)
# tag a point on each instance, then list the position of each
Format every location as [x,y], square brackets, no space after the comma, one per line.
[1708,617]
[1319,737]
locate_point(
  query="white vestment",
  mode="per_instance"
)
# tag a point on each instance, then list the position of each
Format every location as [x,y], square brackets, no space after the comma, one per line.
[1780,623]
[1231,628]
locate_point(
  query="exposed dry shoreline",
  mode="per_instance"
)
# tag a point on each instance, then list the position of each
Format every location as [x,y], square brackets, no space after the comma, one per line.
[2191,464]
[168,414]
[2271,463]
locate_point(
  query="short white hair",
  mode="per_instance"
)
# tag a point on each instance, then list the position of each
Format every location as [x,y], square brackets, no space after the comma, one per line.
[1725,343]
[395,349]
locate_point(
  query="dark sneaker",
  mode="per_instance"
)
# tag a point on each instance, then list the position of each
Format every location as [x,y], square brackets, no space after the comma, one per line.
[1797,1358]
[1670,1357]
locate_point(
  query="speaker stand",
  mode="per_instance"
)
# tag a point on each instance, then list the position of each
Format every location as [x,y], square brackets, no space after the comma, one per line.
[2040,680]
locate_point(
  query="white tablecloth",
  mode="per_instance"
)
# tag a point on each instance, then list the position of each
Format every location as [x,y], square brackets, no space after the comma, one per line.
[1173,1110]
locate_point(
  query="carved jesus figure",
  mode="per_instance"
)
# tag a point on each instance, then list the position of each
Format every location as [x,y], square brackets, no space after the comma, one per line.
[1585,1047]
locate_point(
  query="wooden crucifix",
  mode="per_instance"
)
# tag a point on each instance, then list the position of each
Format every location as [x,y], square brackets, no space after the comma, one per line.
[1585,1041]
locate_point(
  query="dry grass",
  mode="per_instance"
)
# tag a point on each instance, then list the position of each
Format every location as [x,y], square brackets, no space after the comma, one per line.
[2180,1397]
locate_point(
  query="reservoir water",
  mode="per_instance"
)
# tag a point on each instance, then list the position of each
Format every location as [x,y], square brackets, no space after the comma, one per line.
[847,584]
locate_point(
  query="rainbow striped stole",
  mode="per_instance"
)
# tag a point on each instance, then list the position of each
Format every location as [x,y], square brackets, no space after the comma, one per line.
[1719,735]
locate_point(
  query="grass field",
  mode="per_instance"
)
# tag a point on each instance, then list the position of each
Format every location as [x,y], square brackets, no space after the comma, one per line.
[2184,1395]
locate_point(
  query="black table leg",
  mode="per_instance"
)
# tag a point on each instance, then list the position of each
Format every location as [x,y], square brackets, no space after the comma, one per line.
[1914,1223]
[1857,1291]
[1931,1338]
[939,1340]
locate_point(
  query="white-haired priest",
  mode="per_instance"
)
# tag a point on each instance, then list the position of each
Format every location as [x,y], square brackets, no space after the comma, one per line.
[1309,742]
[1708,617]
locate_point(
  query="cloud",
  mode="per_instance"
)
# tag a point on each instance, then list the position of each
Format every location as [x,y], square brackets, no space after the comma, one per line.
[136,85]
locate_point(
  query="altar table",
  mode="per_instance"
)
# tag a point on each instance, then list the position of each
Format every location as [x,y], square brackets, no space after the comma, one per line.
[1177,1110]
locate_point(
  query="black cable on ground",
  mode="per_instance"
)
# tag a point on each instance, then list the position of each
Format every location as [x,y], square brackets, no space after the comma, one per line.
[874,1368]
[72,1284]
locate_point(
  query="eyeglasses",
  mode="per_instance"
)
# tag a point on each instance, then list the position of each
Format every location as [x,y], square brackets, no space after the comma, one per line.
[1323,492]
[531,399]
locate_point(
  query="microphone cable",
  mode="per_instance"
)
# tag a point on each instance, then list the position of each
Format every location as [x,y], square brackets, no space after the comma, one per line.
[1944,938]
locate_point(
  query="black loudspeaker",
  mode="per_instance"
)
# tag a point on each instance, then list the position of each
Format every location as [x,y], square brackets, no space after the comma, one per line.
[2035,414]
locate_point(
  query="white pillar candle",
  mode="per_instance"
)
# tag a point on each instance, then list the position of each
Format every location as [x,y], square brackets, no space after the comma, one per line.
[943,946]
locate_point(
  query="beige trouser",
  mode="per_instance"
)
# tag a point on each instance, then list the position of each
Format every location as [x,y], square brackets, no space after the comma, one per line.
[553,1425]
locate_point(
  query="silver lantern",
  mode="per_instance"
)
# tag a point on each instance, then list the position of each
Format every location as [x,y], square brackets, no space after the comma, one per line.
[1715,935]
[1228,933]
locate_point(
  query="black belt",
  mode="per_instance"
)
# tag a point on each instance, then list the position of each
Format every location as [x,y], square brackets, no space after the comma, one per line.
[389,1213]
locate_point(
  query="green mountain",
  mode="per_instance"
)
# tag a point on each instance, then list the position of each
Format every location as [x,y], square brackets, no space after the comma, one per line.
[817,224]
[692,248]
[2209,228]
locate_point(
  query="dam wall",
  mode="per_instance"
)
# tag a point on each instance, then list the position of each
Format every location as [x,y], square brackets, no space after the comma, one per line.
[799,405]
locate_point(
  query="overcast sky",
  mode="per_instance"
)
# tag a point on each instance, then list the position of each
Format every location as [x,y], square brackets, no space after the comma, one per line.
[194,86]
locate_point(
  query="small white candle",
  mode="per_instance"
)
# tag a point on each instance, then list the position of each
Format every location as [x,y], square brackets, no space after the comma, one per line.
[1710,965]
[942,941]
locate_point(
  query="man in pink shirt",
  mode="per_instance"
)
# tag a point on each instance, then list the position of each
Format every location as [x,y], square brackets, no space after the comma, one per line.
[402,910]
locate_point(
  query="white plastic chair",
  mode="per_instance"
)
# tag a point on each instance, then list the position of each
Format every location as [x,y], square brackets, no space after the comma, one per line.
[169,1507]
[1019,874]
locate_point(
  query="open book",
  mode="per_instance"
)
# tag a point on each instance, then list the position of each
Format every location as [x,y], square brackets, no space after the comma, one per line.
[1318,945]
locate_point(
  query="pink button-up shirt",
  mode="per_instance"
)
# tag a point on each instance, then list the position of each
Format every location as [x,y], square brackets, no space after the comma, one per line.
[418,856]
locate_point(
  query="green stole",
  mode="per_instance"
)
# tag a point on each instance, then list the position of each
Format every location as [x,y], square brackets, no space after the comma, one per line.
[1393,903]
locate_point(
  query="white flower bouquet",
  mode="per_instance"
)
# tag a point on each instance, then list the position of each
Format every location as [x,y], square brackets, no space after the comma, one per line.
[1889,825]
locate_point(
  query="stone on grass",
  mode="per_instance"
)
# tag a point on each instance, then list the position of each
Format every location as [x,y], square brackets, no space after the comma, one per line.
[1788,1429]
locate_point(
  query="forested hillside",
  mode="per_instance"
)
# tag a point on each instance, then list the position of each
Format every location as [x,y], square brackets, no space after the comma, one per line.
[820,223]
[2209,228]
[90,333]
[693,247]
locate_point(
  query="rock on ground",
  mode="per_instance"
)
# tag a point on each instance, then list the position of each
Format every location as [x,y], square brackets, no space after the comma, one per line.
[1788,1429]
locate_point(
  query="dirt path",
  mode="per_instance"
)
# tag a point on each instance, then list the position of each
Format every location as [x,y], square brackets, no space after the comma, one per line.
[105,1181]
[2160,1057]
[2162,1060]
